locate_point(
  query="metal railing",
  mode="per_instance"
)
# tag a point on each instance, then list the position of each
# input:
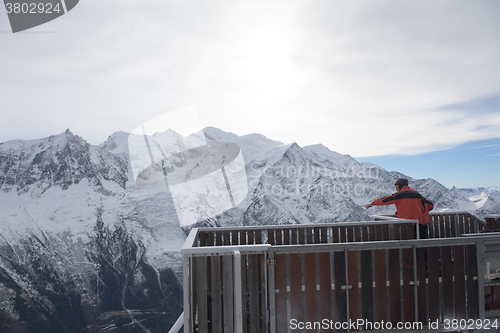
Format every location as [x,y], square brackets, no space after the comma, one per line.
[340,232]
[277,278]
[454,224]
[449,224]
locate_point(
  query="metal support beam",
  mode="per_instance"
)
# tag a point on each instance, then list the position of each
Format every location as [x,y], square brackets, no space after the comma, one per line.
[178,324]
[238,297]
[187,280]
[480,278]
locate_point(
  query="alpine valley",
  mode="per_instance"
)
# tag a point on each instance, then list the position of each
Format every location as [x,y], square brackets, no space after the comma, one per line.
[83,249]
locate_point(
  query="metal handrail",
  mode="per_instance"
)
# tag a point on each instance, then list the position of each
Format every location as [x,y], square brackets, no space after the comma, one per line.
[178,324]
[225,250]
[391,220]
[386,245]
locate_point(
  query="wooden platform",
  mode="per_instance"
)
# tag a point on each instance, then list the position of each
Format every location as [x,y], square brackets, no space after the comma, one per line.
[284,278]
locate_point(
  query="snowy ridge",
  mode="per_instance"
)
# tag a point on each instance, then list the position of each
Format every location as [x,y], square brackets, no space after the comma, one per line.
[59,160]
[486,200]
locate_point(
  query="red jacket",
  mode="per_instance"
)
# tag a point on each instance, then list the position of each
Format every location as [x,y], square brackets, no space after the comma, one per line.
[409,205]
[428,207]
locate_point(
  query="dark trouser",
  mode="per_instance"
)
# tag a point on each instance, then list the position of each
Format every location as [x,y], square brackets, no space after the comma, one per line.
[423,235]
[423,231]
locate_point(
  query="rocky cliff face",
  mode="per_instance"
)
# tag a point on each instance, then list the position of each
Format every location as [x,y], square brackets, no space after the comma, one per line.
[82,249]
[60,160]
[54,284]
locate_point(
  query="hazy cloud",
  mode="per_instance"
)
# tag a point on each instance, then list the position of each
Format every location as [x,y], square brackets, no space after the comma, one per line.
[362,77]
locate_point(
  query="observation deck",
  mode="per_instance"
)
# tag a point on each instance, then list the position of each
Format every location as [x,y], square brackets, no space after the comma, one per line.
[376,276]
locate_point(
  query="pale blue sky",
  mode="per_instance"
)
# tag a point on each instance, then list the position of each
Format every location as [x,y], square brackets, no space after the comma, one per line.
[365,78]
[472,164]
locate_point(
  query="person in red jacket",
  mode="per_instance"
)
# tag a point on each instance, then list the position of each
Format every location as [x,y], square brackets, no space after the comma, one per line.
[428,207]
[409,205]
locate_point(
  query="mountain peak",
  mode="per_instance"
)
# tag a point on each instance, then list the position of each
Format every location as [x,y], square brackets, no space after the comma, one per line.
[62,139]
[293,148]
[71,135]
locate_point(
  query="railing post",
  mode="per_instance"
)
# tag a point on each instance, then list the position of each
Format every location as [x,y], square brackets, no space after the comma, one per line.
[415,279]
[480,278]
[415,267]
[238,297]
[264,284]
[347,288]
[272,294]
[187,277]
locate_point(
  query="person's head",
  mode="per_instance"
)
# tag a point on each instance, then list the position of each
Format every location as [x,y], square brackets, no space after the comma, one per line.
[400,183]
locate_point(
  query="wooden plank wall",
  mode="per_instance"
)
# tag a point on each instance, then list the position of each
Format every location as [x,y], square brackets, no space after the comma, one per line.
[377,285]
[213,294]
[307,235]
[445,225]
[229,237]
[492,297]
[302,279]
[492,223]
[442,225]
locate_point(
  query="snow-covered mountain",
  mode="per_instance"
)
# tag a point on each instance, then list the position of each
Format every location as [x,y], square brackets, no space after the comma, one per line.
[83,249]
[79,250]
[487,200]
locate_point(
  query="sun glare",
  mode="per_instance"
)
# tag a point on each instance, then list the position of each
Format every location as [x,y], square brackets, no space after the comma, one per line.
[265,54]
